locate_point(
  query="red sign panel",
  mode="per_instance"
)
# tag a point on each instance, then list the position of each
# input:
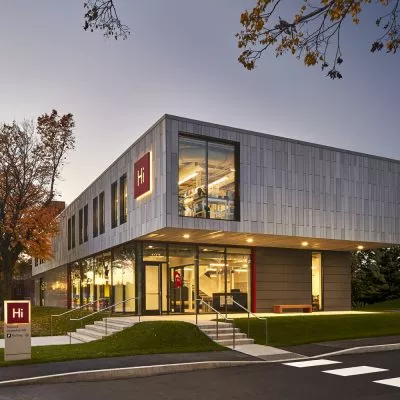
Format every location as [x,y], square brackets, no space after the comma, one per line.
[141,176]
[17,312]
[177,279]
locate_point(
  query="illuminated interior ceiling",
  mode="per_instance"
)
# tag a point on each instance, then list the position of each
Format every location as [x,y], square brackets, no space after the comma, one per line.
[258,240]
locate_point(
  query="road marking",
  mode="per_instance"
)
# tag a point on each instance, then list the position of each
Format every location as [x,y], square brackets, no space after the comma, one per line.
[311,363]
[355,371]
[390,382]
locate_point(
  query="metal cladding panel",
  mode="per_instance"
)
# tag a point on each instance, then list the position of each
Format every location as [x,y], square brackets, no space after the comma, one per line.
[294,188]
[145,214]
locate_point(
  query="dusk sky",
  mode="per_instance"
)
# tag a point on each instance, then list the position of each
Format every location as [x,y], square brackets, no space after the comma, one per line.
[181,58]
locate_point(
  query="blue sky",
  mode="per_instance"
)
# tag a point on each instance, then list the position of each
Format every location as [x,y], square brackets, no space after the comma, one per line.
[181,58]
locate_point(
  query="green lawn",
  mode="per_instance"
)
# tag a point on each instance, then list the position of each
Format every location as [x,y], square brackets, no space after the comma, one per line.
[388,305]
[293,330]
[144,338]
[61,325]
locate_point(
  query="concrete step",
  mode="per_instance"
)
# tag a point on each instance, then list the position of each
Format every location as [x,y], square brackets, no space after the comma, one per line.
[211,331]
[81,337]
[221,325]
[122,321]
[102,329]
[229,342]
[113,325]
[224,336]
[93,334]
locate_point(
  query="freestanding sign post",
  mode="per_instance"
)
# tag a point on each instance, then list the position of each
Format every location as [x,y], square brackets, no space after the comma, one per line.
[17,330]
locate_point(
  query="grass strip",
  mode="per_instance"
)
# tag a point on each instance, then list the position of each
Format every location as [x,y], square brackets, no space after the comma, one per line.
[295,330]
[153,337]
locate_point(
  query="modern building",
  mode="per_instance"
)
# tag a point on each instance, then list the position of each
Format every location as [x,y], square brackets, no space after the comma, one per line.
[198,210]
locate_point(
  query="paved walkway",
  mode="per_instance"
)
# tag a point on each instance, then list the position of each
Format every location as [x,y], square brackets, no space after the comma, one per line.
[47,341]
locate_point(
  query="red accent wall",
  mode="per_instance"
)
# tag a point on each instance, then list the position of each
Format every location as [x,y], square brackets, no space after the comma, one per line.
[253,281]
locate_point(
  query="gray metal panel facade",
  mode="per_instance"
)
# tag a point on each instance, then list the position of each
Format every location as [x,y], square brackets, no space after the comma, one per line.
[294,188]
[282,277]
[144,215]
[287,187]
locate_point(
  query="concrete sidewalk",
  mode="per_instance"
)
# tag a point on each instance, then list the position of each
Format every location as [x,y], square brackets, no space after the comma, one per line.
[47,341]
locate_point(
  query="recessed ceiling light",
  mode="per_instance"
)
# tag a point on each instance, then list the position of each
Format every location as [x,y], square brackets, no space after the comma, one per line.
[149,247]
[205,249]
[304,244]
[360,247]
[249,240]
[186,236]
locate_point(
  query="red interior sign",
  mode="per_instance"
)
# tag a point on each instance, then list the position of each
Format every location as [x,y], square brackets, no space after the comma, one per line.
[141,176]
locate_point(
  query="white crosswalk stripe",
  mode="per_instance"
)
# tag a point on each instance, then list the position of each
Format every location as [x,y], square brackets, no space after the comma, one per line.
[361,370]
[390,382]
[311,363]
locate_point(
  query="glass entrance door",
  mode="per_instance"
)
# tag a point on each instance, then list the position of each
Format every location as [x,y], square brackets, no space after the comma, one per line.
[152,295]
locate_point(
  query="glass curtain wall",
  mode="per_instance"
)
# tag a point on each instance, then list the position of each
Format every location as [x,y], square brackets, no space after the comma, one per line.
[75,285]
[102,279]
[181,279]
[87,281]
[207,179]
[123,278]
[316,277]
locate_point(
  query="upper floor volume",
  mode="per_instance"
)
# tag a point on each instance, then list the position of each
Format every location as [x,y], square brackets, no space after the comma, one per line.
[222,185]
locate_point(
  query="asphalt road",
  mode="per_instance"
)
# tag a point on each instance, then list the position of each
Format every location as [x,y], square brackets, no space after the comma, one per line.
[268,381]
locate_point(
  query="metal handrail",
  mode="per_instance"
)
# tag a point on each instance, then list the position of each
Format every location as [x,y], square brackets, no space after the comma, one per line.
[217,314]
[72,310]
[248,321]
[101,310]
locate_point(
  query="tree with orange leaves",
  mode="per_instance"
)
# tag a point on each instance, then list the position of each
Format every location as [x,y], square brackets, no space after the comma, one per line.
[31,159]
[312,31]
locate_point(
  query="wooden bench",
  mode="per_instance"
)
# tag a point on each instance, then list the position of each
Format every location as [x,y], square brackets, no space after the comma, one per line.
[280,307]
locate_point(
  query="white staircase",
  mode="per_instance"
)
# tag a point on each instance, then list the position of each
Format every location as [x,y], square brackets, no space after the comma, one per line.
[225,333]
[98,329]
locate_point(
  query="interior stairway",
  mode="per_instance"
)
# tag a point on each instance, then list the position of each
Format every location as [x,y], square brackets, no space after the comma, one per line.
[98,329]
[225,333]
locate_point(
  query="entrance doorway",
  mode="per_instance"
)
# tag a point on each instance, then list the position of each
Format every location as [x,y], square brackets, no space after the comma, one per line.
[152,284]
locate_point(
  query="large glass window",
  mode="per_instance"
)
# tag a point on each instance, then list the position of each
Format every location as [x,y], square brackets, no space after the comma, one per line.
[114,204]
[102,278]
[181,278]
[101,213]
[224,278]
[316,275]
[75,285]
[123,278]
[69,234]
[73,231]
[95,216]
[80,226]
[207,179]
[85,223]
[123,196]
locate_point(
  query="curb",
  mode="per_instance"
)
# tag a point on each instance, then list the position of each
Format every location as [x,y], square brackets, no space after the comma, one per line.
[125,373]
[361,350]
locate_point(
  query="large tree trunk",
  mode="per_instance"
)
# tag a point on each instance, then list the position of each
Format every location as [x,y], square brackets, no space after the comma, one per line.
[6,285]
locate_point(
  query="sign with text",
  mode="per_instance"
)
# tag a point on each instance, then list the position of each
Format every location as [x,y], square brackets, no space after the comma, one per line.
[17,330]
[141,175]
